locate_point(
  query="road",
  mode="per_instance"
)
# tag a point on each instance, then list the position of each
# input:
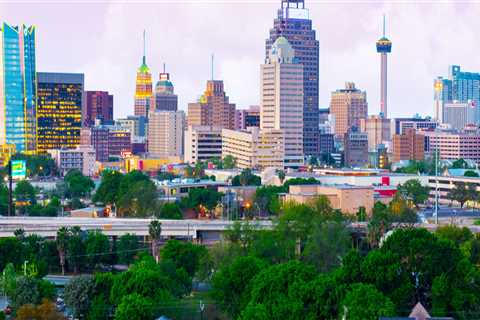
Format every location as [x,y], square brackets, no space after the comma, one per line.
[47,227]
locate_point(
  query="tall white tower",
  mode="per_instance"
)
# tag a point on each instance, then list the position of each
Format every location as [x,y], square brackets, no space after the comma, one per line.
[384,46]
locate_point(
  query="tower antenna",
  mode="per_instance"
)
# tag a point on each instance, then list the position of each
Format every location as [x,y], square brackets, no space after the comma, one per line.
[212,65]
[384,25]
[144,47]
[164,67]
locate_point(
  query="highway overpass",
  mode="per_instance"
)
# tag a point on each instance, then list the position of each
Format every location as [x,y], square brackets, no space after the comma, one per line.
[47,226]
[203,230]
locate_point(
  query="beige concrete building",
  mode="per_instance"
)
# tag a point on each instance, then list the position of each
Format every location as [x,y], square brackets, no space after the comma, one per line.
[213,108]
[454,145]
[282,94]
[347,107]
[346,198]
[81,158]
[377,130]
[254,148]
[202,143]
[165,133]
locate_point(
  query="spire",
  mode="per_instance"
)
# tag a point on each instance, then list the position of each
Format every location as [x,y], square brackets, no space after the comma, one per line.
[384,25]
[164,68]
[212,65]
[144,46]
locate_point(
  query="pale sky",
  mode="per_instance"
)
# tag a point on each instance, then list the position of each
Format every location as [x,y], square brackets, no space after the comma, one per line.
[103,40]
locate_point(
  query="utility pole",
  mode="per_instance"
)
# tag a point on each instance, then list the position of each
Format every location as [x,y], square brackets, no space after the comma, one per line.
[436,180]
[10,183]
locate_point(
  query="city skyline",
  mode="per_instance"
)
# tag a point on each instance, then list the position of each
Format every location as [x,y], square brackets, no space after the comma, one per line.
[107,49]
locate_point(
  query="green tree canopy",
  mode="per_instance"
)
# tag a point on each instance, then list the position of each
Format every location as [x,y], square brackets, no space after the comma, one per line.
[246,178]
[414,191]
[366,302]
[77,185]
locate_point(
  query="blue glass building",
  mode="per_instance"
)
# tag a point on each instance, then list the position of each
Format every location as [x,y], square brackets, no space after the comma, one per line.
[460,86]
[18,87]
[294,24]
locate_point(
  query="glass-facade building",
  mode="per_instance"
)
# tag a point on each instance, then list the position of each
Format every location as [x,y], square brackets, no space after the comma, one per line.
[18,89]
[59,110]
[460,86]
[294,24]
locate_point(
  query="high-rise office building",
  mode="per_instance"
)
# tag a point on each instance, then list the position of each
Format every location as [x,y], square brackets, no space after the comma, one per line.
[459,114]
[18,87]
[355,148]
[384,46]
[108,141]
[378,130]
[453,145]
[282,100]
[247,118]
[59,110]
[98,106]
[408,146]
[347,107]
[165,97]
[213,108]
[460,86]
[202,143]
[143,88]
[293,23]
[165,133]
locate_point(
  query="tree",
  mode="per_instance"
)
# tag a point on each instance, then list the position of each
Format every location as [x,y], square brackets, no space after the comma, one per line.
[462,192]
[97,248]
[229,162]
[3,199]
[166,175]
[76,248]
[184,254]
[155,232]
[62,242]
[327,246]
[107,191]
[459,164]
[202,199]
[414,191]
[140,200]
[266,197]
[455,234]
[25,192]
[470,173]
[232,284]
[281,175]
[11,251]
[78,294]
[246,178]
[171,211]
[37,165]
[26,292]
[366,302]
[45,311]
[127,248]
[78,185]
[134,307]
[280,292]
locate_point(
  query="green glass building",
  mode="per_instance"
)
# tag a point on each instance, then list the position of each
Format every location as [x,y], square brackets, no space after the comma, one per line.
[18,89]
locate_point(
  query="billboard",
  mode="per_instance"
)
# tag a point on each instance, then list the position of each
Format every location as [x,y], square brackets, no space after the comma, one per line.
[19,169]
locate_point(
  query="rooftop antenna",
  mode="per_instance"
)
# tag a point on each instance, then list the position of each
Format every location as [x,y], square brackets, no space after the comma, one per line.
[144,46]
[212,64]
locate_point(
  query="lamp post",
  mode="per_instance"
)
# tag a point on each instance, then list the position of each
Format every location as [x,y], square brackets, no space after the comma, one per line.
[436,177]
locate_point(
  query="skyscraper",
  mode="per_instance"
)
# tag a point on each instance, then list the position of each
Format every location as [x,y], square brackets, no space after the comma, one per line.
[347,107]
[98,105]
[281,105]
[213,108]
[143,89]
[59,110]
[165,133]
[165,98]
[460,86]
[18,87]
[294,24]
[384,46]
